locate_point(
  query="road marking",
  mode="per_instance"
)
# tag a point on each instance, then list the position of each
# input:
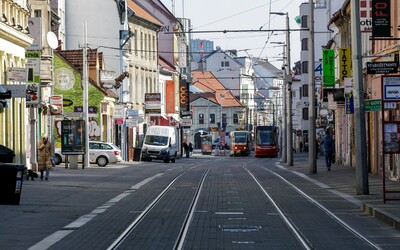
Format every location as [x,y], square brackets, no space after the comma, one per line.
[50,240]
[60,234]
[229,213]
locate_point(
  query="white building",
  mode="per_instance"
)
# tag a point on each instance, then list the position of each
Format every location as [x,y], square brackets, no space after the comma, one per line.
[321,36]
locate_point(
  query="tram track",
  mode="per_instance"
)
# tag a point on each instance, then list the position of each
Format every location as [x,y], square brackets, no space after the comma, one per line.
[180,239]
[296,229]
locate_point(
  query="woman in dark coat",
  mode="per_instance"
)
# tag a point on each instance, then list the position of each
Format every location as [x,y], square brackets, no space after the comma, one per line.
[44,161]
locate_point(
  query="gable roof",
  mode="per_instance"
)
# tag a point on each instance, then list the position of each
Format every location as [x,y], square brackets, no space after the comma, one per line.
[207,82]
[75,58]
[142,13]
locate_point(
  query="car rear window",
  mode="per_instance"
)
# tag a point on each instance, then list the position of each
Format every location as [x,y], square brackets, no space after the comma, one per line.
[106,146]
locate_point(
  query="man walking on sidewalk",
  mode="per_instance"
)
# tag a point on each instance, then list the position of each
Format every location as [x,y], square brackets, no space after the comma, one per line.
[329,148]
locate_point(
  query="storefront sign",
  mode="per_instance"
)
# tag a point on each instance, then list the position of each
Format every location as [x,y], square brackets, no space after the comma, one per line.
[345,63]
[373,105]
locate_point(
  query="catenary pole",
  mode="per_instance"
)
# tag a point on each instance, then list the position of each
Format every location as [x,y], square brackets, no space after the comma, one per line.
[358,93]
[289,97]
[85,95]
[312,149]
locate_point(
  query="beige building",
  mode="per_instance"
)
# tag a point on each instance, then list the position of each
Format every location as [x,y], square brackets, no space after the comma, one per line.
[381,50]
[14,39]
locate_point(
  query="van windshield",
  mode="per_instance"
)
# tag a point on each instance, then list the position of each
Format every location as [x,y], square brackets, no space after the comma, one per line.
[156,140]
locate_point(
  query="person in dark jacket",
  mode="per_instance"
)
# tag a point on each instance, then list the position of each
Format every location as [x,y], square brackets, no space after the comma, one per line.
[329,149]
[191,148]
[186,147]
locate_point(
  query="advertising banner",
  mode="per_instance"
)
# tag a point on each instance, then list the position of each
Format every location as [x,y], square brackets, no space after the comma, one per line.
[381,24]
[328,67]
[170,97]
[183,95]
[56,105]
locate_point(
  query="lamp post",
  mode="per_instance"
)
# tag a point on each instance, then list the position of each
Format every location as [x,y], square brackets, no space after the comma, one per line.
[287,96]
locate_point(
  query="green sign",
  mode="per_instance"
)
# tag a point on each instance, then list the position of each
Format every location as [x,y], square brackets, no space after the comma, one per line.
[373,105]
[328,67]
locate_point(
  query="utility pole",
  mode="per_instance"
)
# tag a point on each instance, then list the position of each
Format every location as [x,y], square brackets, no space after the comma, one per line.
[287,153]
[289,98]
[358,93]
[85,95]
[312,149]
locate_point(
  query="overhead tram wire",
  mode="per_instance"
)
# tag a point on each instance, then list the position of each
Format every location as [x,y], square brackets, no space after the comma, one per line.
[237,31]
[159,51]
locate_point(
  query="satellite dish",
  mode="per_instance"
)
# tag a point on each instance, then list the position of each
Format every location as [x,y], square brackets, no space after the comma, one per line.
[52,40]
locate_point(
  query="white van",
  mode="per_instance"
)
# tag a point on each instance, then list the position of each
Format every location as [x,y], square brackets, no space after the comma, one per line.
[161,143]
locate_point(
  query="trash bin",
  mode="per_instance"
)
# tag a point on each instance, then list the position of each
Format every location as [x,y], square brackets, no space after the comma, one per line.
[11,177]
[6,154]
[137,154]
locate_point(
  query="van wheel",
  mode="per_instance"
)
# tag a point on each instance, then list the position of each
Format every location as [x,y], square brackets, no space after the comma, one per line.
[166,160]
[173,160]
[101,161]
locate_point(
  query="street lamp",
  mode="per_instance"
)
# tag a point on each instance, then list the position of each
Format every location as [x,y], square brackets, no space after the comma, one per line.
[287,93]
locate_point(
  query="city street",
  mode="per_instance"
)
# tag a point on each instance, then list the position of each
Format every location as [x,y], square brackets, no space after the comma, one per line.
[202,202]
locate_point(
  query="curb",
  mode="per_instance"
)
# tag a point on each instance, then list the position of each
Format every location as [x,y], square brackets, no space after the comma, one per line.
[382,215]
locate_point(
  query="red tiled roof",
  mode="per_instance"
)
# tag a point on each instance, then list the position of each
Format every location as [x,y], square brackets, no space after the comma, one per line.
[75,57]
[207,82]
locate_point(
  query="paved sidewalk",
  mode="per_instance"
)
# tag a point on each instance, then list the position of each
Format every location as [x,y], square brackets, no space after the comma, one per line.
[343,179]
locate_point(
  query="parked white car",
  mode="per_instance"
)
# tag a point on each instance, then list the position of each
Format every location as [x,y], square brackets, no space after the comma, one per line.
[100,153]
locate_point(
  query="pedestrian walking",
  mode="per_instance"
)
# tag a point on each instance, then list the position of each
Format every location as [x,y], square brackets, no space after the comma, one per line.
[329,149]
[186,147]
[45,154]
[190,148]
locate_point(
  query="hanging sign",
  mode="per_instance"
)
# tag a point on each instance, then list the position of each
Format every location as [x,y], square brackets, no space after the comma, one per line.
[328,67]
[381,24]
[345,63]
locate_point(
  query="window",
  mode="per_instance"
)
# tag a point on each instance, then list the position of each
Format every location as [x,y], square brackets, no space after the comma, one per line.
[305,90]
[304,22]
[224,64]
[304,44]
[235,118]
[212,118]
[38,13]
[305,113]
[304,67]
[224,118]
[201,118]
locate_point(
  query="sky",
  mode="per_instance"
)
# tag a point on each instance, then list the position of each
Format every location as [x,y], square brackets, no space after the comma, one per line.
[217,15]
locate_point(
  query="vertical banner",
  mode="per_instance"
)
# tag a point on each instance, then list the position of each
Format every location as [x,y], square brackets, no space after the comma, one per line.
[345,64]
[169,97]
[349,103]
[381,24]
[328,67]
[183,95]
[56,105]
